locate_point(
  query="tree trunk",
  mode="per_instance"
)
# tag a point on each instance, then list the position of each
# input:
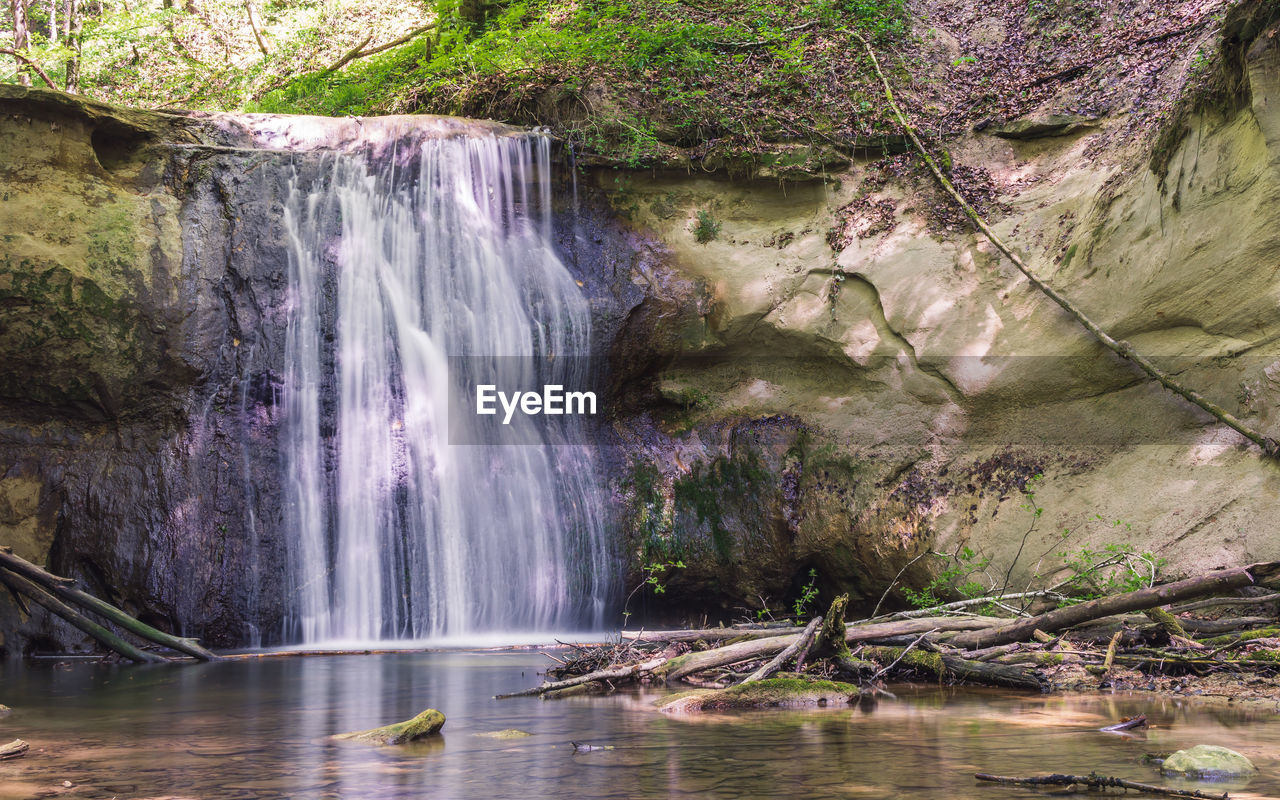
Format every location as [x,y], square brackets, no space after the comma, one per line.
[1212,583]
[103,636]
[21,39]
[253,25]
[792,649]
[745,651]
[72,35]
[65,588]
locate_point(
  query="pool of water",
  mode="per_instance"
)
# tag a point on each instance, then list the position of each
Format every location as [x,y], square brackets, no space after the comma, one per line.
[258,728]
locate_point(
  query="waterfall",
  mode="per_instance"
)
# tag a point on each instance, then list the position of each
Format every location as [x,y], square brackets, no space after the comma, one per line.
[415,270]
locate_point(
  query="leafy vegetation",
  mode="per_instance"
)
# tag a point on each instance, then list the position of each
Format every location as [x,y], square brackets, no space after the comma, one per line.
[707,228]
[808,593]
[629,78]
[655,574]
[633,80]
[954,581]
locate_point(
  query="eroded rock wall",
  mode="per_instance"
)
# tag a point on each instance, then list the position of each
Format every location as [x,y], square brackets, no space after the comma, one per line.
[141,283]
[913,385]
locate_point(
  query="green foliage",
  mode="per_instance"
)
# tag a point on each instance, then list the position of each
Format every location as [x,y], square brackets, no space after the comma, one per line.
[714,491]
[655,573]
[1117,567]
[808,594]
[651,513]
[679,76]
[629,79]
[707,228]
[954,579]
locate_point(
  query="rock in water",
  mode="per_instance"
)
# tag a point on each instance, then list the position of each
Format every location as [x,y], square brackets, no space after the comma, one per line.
[1209,762]
[428,723]
[507,733]
[13,749]
[769,693]
[5,710]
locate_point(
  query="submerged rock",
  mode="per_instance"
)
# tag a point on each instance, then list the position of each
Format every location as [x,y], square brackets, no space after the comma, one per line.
[582,747]
[428,723]
[1208,761]
[507,733]
[5,711]
[769,693]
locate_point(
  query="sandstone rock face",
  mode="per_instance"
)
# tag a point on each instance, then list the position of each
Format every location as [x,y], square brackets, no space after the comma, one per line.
[860,381]
[839,381]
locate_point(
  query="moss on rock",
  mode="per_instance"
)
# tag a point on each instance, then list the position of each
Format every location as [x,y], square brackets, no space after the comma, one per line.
[428,723]
[770,693]
[506,733]
[1208,761]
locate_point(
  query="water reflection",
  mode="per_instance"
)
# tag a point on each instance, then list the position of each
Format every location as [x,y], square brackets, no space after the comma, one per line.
[259,729]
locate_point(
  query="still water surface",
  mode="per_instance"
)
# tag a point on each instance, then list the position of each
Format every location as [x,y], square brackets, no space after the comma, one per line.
[257,729]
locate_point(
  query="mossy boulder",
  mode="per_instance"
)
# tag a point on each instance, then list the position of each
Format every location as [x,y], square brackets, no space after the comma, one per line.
[1208,762]
[428,723]
[770,693]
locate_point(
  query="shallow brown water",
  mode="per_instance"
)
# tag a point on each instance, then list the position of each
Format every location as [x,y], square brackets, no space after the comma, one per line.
[256,729]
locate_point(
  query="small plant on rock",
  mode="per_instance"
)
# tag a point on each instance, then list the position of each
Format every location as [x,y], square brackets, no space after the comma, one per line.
[707,228]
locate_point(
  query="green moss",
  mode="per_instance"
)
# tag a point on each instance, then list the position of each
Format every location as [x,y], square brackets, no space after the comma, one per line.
[650,513]
[633,79]
[712,493]
[672,665]
[1066,259]
[920,660]
[771,692]
[1259,633]
[428,723]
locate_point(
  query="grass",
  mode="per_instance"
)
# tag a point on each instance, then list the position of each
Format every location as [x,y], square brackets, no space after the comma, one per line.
[635,81]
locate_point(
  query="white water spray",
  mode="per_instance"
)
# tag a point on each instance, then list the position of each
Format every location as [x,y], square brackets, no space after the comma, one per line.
[400,266]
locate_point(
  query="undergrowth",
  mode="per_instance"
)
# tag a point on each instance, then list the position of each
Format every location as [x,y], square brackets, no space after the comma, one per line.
[631,79]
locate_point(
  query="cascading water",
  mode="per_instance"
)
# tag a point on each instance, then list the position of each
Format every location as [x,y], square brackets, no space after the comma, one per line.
[412,270]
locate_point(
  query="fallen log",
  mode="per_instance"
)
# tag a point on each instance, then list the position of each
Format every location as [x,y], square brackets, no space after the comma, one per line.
[690,663]
[1058,619]
[949,665]
[100,634]
[974,601]
[600,675]
[705,634]
[1127,724]
[1096,781]
[806,638]
[66,589]
[1213,602]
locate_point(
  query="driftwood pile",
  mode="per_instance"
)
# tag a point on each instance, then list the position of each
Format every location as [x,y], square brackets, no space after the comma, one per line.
[63,597]
[1151,629]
